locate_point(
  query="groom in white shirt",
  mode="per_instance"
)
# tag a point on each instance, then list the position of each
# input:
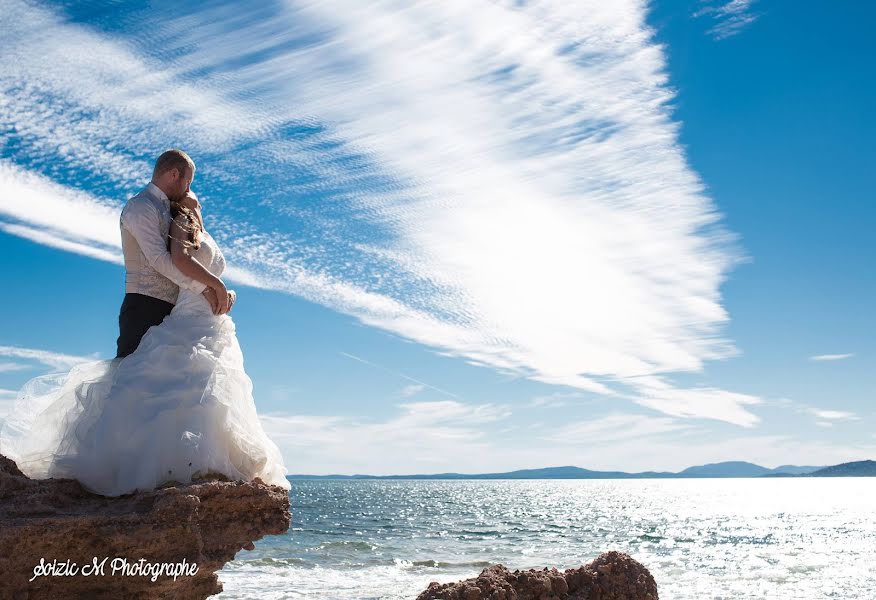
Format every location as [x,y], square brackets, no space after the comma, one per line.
[152,281]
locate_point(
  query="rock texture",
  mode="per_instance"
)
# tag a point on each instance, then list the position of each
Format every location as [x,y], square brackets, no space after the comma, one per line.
[611,576]
[206,522]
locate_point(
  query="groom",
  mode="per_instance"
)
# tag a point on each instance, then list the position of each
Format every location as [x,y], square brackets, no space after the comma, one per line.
[152,281]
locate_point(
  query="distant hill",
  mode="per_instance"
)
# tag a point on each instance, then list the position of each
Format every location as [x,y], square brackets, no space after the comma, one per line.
[861,468]
[792,470]
[566,472]
[726,469]
[722,470]
[744,469]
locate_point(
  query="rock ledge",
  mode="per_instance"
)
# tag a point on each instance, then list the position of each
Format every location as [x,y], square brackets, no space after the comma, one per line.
[206,522]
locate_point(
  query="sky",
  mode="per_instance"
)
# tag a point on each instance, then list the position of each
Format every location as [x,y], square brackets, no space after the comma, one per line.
[472,236]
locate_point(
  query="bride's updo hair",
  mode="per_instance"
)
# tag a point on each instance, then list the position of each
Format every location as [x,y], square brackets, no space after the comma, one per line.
[193,225]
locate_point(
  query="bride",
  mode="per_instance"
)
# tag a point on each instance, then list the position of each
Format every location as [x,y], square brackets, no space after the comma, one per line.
[180,406]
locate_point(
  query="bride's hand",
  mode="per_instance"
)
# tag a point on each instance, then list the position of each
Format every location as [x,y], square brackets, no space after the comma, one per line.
[232,297]
[190,200]
[222,296]
[210,294]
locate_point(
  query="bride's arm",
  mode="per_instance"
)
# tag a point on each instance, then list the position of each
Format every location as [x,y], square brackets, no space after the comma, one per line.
[188,264]
[141,219]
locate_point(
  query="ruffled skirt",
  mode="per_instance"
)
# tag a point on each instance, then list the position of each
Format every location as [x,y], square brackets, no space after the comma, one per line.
[180,406]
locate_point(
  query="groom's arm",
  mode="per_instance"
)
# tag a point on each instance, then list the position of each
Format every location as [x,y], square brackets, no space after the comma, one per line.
[141,218]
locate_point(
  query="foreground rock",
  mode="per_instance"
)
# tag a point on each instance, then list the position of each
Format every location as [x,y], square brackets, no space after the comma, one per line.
[57,520]
[611,576]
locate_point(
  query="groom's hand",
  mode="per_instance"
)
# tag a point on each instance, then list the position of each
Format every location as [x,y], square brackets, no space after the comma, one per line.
[210,294]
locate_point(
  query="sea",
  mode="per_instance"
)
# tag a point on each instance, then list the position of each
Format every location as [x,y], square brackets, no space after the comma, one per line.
[765,538]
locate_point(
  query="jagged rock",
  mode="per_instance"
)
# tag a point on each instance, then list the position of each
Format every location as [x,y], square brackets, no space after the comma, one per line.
[611,576]
[204,523]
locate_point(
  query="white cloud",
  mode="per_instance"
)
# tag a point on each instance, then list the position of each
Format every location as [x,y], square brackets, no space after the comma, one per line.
[830,357]
[91,82]
[55,214]
[729,17]
[613,428]
[413,389]
[59,241]
[708,402]
[410,443]
[547,402]
[832,415]
[541,217]
[443,411]
[54,360]
[557,399]
[425,433]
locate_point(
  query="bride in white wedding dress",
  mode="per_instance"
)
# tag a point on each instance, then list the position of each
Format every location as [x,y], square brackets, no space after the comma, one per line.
[180,406]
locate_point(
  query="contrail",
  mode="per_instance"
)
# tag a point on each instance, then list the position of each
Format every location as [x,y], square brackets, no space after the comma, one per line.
[362,360]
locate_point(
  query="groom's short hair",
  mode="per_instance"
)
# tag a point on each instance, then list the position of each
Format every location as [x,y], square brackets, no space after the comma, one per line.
[173,159]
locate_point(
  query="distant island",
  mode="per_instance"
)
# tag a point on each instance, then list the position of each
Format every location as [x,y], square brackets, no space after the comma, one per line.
[864,468]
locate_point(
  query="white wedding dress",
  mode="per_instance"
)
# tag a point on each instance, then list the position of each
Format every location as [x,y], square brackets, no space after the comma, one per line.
[181,405]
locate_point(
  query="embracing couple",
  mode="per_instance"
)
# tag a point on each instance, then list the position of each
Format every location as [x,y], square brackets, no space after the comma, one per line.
[175,403]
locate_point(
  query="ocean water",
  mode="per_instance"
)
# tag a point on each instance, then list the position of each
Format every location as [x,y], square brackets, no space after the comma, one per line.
[799,539]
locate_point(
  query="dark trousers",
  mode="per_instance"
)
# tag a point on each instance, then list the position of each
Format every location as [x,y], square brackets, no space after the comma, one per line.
[137,315]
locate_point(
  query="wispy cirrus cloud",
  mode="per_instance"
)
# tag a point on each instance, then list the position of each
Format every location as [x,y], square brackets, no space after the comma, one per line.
[422,435]
[824,417]
[832,415]
[729,17]
[54,360]
[413,389]
[34,207]
[830,357]
[501,183]
[614,428]
[655,393]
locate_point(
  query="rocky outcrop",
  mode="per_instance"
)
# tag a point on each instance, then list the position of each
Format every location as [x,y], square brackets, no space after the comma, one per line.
[611,576]
[56,525]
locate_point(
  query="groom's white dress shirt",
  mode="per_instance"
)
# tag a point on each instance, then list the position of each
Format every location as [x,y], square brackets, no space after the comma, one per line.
[149,269]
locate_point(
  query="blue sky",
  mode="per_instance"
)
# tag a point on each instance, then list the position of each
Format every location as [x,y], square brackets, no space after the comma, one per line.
[473,236]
